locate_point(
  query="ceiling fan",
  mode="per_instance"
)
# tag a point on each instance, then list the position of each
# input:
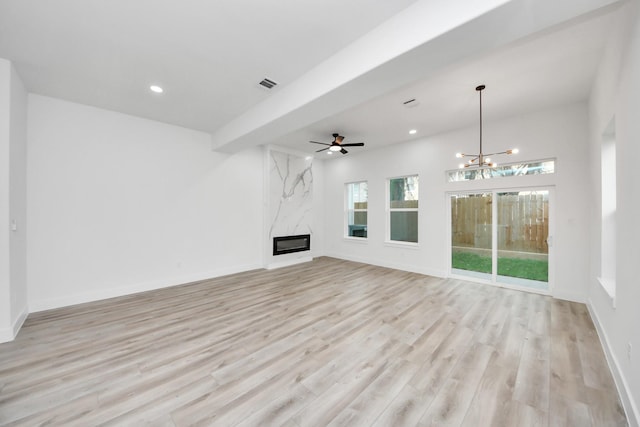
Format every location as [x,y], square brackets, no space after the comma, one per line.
[337,144]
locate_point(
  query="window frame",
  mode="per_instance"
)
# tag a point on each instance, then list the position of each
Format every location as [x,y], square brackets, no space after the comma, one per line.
[348,209]
[389,210]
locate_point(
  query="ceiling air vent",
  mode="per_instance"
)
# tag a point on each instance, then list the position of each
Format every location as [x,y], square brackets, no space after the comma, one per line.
[267,83]
[411,103]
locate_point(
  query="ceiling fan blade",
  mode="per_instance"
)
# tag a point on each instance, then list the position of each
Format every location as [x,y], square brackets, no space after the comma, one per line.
[316,142]
[317,151]
[343,151]
[355,144]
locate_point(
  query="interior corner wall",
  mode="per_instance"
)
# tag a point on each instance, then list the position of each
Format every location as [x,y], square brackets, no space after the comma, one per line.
[317,248]
[616,94]
[119,204]
[13,169]
[559,132]
[5,258]
[18,201]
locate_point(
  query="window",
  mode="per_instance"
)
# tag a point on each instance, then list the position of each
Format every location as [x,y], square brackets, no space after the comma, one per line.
[356,212]
[402,209]
[609,206]
[540,167]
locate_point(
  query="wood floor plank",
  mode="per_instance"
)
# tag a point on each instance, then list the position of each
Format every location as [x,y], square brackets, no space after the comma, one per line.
[373,400]
[494,391]
[568,412]
[605,408]
[566,367]
[279,410]
[532,382]
[405,410]
[328,342]
[452,402]
[521,415]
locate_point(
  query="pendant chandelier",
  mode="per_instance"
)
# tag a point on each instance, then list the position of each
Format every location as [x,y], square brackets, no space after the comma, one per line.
[481,159]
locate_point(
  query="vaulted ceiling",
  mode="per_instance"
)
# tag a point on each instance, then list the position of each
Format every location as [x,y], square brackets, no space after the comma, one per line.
[341,66]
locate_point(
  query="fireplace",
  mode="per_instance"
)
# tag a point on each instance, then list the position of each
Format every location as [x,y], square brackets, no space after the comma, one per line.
[289,244]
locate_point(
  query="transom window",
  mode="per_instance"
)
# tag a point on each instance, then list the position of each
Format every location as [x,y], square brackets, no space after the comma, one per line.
[539,167]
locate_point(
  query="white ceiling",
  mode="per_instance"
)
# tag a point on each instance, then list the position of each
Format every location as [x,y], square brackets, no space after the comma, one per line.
[553,68]
[209,57]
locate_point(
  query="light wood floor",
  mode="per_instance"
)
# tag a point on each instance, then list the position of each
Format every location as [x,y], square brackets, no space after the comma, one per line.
[323,343]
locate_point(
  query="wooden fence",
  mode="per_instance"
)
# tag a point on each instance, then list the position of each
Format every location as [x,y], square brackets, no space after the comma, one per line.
[523,221]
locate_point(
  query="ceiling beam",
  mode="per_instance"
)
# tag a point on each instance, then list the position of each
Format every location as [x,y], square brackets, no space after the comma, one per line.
[421,40]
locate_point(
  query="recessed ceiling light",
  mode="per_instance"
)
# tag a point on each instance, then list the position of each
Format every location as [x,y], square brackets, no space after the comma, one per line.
[329,152]
[156,89]
[412,132]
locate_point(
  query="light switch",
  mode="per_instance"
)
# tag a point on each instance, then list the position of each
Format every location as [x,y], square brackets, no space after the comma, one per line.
[14,225]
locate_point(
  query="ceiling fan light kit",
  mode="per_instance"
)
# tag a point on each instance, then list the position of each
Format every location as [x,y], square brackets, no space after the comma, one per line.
[336,145]
[481,159]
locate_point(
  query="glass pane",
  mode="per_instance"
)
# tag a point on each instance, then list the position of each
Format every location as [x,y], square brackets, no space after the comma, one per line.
[356,209]
[404,226]
[357,224]
[403,192]
[523,227]
[357,193]
[471,220]
[515,169]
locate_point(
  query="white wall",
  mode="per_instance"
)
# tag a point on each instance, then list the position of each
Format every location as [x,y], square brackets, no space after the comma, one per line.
[560,132]
[616,93]
[13,169]
[119,204]
[5,286]
[317,244]
[18,201]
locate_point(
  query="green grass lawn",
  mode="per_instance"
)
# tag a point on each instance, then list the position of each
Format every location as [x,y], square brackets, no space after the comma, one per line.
[512,267]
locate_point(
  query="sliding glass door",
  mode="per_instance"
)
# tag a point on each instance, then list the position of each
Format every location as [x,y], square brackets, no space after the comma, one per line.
[523,251]
[515,251]
[471,234]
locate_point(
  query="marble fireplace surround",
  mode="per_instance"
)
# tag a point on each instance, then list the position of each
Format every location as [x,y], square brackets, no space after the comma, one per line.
[290,202]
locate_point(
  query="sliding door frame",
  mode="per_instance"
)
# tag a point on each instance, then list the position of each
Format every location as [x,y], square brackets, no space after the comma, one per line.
[494,237]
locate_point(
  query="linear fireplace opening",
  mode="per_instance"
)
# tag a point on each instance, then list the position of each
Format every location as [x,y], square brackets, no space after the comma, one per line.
[289,244]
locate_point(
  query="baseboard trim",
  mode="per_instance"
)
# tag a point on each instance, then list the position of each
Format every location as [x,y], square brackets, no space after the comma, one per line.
[628,404]
[569,296]
[396,266]
[6,335]
[10,333]
[68,300]
[274,265]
